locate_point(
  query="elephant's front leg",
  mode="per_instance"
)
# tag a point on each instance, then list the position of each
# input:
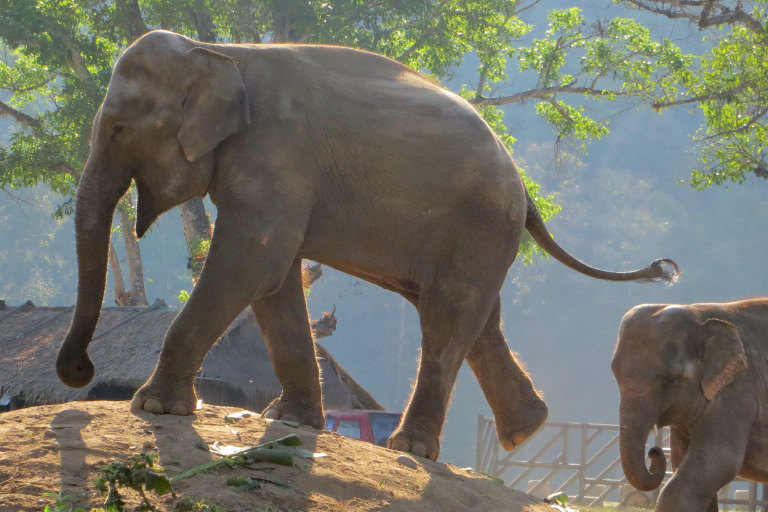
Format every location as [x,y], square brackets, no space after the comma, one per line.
[242,264]
[713,458]
[287,333]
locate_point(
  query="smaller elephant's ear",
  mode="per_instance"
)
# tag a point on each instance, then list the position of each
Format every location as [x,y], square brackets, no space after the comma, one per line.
[216,103]
[724,357]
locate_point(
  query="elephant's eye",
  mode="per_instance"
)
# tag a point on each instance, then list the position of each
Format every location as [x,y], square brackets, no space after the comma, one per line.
[120,133]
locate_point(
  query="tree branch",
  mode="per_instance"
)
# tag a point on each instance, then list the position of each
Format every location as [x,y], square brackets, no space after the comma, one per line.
[542,94]
[744,126]
[38,85]
[732,17]
[21,117]
[77,62]
[702,97]
[705,18]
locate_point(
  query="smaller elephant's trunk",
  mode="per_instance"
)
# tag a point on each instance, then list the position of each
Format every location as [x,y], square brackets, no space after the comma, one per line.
[632,436]
[97,198]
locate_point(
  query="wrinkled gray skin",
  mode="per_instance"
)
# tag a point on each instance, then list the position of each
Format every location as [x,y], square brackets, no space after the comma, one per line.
[701,369]
[325,153]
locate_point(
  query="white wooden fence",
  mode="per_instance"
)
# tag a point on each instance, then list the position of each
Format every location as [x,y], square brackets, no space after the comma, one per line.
[582,461]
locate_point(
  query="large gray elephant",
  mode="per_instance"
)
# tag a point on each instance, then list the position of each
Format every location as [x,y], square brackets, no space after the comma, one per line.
[703,370]
[326,153]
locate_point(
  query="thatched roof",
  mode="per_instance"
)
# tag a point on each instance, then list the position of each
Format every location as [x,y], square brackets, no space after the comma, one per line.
[125,348]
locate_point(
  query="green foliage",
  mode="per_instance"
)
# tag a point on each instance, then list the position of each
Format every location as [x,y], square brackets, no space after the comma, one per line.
[62,504]
[728,84]
[58,57]
[734,140]
[138,475]
[190,505]
[607,59]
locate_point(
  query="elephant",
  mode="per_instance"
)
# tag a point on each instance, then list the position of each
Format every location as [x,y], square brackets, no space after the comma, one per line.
[325,153]
[702,369]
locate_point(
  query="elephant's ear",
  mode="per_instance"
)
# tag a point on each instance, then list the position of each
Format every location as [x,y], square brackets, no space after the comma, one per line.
[216,104]
[724,357]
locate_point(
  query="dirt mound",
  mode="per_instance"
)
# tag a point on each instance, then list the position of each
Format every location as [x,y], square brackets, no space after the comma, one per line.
[60,448]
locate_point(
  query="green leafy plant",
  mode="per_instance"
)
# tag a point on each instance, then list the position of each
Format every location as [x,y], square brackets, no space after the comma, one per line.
[138,475]
[183,296]
[191,505]
[61,504]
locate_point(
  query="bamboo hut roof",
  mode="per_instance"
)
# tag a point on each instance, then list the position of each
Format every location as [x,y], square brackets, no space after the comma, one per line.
[126,346]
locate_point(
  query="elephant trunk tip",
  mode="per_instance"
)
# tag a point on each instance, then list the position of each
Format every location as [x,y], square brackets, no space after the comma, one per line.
[74,370]
[664,270]
[656,472]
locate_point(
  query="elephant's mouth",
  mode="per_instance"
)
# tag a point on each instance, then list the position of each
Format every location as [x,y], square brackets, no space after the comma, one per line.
[146,211]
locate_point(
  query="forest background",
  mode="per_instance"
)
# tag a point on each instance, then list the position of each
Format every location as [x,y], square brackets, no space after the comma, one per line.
[621,114]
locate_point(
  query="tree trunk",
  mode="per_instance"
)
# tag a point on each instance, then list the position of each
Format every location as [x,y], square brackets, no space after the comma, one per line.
[129,16]
[121,296]
[292,21]
[197,232]
[137,296]
[206,30]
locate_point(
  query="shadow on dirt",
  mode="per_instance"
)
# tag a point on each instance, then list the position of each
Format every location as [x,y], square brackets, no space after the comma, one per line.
[67,427]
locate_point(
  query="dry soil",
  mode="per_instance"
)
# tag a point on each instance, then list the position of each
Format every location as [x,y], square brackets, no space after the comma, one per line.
[61,448]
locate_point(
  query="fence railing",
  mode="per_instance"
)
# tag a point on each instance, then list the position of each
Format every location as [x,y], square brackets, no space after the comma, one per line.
[582,461]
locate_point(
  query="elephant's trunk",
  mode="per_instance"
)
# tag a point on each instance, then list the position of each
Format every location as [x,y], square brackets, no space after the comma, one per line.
[97,198]
[634,428]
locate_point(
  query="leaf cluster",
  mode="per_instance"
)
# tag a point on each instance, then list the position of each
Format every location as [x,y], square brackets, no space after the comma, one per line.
[138,475]
[727,83]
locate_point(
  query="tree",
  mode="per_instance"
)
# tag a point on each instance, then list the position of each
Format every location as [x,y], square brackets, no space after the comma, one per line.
[59,53]
[729,84]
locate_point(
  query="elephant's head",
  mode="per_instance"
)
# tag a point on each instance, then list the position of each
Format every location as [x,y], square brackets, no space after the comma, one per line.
[170,103]
[670,363]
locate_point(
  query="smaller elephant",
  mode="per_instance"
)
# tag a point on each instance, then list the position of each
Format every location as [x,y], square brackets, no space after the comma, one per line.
[702,369]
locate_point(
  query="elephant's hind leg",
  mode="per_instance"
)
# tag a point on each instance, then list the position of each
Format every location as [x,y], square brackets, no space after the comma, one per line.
[452,315]
[517,407]
[285,325]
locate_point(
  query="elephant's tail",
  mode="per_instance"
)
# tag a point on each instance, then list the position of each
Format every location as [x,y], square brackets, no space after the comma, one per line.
[664,269]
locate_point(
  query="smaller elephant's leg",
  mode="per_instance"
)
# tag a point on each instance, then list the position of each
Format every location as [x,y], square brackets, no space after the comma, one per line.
[285,325]
[517,408]
[241,266]
[713,458]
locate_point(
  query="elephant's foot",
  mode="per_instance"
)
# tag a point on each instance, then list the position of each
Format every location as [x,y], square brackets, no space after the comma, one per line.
[300,411]
[410,438]
[515,427]
[156,398]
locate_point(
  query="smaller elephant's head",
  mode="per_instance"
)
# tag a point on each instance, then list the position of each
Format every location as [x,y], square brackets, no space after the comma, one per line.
[170,103]
[670,363]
